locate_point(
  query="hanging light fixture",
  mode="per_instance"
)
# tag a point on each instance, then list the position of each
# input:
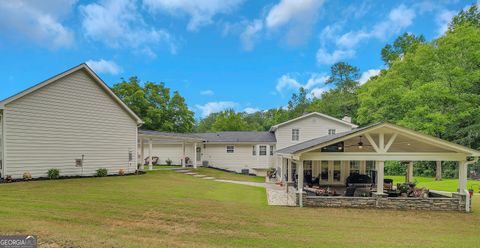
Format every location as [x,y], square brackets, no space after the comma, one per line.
[360,143]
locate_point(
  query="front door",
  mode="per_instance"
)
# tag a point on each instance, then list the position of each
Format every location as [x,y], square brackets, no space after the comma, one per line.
[199,154]
[330,172]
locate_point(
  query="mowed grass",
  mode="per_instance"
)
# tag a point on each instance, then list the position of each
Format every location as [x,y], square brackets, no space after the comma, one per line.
[227,175]
[169,209]
[450,185]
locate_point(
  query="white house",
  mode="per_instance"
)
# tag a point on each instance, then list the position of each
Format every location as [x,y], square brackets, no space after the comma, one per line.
[72,122]
[239,151]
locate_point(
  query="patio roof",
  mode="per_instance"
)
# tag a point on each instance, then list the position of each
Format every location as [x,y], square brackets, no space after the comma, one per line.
[332,139]
[216,137]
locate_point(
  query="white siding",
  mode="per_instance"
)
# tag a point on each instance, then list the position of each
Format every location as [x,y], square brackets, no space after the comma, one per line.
[242,158]
[310,128]
[64,120]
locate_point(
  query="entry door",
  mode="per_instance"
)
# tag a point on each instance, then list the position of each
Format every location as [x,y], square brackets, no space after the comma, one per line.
[331,172]
[199,154]
[336,172]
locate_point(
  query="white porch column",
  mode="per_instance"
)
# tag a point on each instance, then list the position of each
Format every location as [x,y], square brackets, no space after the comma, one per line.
[462,176]
[380,176]
[195,155]
[438,171]
[142,154]
[300,182]
[150,162]
[409,172]
[289,170]
[184,164]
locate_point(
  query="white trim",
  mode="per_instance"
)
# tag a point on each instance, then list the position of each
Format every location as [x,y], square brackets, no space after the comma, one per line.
[372,142]
[404,156]
[90,72]
[273,128]
[4,146]
[404,131]
[390,142]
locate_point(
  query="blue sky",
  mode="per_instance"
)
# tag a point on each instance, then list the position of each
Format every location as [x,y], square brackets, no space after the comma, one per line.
[243,54]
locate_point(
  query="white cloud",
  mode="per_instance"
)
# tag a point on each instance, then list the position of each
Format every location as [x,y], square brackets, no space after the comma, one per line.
[398,19]
[40,21]
[317,92]
[200,12]
[248,36]
[366,75]
[326,58]
[213,107]
[104,66]
[443,19]
[298,15]
[288,81]
[207,93]
[118,24]
[250,110]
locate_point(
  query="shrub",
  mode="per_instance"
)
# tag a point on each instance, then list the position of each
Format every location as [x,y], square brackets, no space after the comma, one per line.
[53,173]
[8,179]
[168,162]
[102,172]
[121,172]
[27,176]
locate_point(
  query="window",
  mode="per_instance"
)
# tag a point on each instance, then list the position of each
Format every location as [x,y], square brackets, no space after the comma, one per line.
[354,167]
[271,150]
[331,131]
[254,150]
[230,149]
[263,150]
[295,134]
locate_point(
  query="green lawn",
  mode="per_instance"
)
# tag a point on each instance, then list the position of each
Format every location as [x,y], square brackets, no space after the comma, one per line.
[450,185]
[166,208]
[227,175]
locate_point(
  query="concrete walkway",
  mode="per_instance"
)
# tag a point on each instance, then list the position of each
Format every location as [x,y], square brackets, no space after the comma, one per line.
[276,194]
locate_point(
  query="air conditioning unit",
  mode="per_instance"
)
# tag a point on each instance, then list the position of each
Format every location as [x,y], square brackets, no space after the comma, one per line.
[205,163]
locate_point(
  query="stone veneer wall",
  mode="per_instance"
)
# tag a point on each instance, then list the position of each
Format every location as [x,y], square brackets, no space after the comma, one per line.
[455,203]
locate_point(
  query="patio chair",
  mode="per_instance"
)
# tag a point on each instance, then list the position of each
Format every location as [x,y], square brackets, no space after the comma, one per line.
[388,184]
[154,160]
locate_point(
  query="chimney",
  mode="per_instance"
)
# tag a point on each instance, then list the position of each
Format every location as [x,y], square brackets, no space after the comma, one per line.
[347,118]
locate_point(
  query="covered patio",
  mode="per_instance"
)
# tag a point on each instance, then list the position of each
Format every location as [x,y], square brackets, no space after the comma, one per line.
[185,148]
[347,169]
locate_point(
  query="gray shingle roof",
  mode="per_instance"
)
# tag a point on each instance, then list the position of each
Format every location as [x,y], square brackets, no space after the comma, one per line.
[172,135]
[320,140]
[238,136]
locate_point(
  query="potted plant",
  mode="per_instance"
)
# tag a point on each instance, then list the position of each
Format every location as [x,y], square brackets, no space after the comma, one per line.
[470,192]
[403,188]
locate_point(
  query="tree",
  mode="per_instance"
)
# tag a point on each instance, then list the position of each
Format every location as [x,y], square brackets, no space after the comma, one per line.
[404,44]
[154,105]
[344,77]
[470,17]
[229,120]
[434,89]
[298,103]
[342,99]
